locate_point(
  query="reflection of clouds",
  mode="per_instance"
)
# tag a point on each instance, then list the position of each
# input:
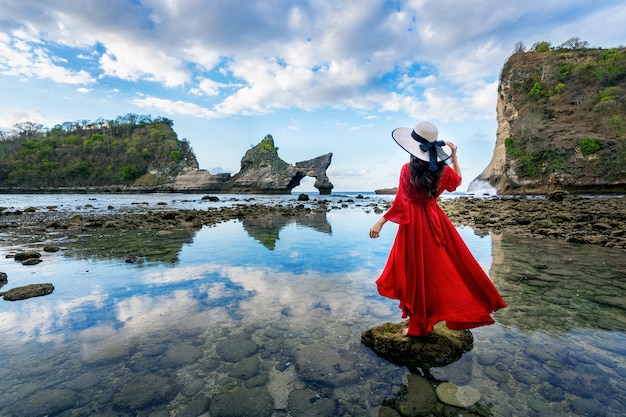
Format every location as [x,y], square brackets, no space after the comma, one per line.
[335,296]
[44,320]
[178,274]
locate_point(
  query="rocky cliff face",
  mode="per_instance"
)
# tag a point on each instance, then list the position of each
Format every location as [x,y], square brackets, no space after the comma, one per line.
[561,123]
[262,172]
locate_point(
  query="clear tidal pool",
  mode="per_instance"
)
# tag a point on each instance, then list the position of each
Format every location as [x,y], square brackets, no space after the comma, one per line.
[244,304]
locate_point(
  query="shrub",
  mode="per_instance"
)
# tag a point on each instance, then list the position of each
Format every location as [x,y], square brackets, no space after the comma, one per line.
[511,149]
[558,89]
[542,46]
[617,125]
[589,146]
[537,91]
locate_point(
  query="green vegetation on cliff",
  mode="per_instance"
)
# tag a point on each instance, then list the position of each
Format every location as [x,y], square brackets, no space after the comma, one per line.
[131,150]
[264,153]
[566,107]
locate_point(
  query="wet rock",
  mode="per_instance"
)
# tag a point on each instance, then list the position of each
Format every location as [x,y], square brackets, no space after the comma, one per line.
[308,403]
[236,347]
[440,348]
[303,197]
[577,383]
[27,291]
[179,355]
[197,407]
[51,248]
[458,396]
[320,364]
[551,393]
[145,390]
[417,398]
[243,402]
[246,369]
[31,261]
[48,402]
[191,388]
[22,256]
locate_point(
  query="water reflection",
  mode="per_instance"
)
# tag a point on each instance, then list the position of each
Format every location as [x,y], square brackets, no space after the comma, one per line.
[231,322]
[266,228]
[555,287]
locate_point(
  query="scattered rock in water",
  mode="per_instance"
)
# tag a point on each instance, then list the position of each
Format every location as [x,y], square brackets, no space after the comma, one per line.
[304,402]
[51,248]
[22,256]
[243,402]
[27,291]
[458,396]
[144,391]
[417,398]
[303,197]
[236,347]
[318,363]
[210,198]
[45,403]
[31,261]
[441,347]
[246,369]
[181,354]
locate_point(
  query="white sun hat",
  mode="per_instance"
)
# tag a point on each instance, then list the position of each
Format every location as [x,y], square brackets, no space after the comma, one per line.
[422,143]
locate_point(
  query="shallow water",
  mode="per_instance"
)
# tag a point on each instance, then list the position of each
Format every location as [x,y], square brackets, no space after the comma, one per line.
[156,337]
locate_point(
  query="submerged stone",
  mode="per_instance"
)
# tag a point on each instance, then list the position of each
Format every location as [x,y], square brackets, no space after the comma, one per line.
[417,398]
[243,402]
[459,396]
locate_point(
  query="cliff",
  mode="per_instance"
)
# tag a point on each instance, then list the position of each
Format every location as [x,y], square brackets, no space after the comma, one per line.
[135,153]
[561,123]
[262,172]
[128,152]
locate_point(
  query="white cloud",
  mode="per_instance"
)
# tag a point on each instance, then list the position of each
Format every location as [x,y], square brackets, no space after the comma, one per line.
[22,58]
[13,117]
[173,107]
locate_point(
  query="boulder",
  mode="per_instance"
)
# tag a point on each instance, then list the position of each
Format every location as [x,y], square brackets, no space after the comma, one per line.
[27,291]
[440,348]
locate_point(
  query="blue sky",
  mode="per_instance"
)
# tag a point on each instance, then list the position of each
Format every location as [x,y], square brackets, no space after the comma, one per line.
[319,76]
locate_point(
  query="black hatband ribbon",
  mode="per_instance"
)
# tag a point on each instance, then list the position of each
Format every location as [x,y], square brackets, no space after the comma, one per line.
[430,147]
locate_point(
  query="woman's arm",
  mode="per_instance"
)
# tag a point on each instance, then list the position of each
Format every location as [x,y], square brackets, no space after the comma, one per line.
[455,162]
[377,227]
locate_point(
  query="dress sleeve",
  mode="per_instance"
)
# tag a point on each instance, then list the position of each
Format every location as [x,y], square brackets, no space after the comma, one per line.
[450,180]
[399,210]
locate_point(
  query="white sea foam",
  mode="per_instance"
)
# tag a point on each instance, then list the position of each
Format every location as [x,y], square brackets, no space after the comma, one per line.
[481,187]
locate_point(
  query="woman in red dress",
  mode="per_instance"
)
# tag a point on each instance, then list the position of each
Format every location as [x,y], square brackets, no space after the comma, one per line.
[430,270]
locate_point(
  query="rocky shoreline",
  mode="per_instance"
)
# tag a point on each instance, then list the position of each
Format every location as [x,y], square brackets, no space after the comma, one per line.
[599,220]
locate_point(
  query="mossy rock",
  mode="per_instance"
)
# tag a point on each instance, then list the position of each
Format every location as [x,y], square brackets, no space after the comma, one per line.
[441,347]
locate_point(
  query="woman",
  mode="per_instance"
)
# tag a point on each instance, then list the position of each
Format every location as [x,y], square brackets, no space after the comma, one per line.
[430,270]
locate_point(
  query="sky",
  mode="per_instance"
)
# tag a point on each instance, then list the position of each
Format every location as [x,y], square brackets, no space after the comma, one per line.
[320,76]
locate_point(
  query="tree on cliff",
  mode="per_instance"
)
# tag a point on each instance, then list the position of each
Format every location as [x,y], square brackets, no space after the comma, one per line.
[129,150]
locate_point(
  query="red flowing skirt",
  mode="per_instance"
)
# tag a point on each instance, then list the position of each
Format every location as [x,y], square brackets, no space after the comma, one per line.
[433,274]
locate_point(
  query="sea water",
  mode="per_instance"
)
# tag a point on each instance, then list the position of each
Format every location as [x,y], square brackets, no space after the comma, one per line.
[289,286]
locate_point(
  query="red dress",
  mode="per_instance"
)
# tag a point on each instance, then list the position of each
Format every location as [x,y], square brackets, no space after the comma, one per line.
[430,269]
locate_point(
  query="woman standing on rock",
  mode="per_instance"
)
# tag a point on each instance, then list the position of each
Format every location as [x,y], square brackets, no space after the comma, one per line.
[430,270]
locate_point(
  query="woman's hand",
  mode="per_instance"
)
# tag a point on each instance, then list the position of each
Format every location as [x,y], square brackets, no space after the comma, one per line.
[452,148]
[377,227]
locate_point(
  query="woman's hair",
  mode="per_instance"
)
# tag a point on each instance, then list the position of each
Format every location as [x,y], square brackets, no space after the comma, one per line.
[421,176]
